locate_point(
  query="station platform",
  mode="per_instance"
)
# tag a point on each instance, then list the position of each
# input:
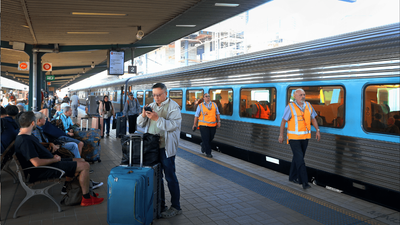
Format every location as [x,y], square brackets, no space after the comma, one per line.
[219,190]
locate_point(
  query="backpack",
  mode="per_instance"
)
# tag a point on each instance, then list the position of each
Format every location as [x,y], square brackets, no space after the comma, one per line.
[74,192]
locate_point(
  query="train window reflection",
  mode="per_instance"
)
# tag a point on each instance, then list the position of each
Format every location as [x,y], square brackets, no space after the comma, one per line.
[224,100]
[176,96]
[139,96]
[382,109]
[258,103]
[327,101]
[192,99]
[149,97]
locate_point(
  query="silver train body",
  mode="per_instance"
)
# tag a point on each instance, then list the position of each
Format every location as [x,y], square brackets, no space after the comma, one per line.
[349,158]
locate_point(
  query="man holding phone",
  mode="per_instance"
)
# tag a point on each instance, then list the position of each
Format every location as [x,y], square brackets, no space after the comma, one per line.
[163,117]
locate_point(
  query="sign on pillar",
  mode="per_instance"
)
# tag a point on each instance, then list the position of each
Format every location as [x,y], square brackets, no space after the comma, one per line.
[24,66]
[47,67]
[48,83]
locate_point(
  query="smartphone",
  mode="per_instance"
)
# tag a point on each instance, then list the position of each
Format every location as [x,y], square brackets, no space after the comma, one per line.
[148,108]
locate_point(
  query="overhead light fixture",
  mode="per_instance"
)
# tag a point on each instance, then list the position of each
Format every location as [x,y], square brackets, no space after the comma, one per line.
[83,71]
[140,33]
[6,73]
[87,32]
[97,14]
[226,4]
[185,25]
[25,26]
[93,65]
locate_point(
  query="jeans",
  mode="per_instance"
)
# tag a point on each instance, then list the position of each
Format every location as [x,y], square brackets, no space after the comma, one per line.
[106,128]
[168,167]
[298,168]
[207,135]
[72,147]
[74,110]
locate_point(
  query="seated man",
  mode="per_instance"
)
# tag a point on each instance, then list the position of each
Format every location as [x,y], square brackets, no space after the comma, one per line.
[54,134]
[31,153]
[9,128]
[71,146]
[67,121]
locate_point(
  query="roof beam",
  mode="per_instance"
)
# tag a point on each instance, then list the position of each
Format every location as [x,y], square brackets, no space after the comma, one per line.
[28,20]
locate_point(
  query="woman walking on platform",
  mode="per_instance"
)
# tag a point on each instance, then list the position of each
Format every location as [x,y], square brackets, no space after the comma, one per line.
[106,110]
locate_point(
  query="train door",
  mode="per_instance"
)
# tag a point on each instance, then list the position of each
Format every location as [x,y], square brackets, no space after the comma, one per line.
[121,105]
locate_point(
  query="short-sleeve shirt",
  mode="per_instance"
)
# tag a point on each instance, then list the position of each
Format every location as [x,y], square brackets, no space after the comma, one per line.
[74,100]
[29,147]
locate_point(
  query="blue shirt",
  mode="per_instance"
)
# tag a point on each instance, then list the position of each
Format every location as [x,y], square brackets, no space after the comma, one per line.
[41,137]
[67,121]
[207,105]
[287,114]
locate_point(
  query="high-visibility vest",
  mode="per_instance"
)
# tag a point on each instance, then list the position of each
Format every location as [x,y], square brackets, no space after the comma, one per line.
[299,126]
[209,120]
[261,112]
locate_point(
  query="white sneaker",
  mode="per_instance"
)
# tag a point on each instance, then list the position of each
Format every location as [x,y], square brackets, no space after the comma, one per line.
[96,184]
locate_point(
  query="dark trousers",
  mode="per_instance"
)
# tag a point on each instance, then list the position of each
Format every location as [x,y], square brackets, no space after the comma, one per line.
[298,167]
[106,125]
[132,123]
[168,167]
[207,135]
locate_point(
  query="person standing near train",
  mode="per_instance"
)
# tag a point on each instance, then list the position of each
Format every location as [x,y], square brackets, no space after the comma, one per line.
[106,110]
[131,110]
[208,113]
[74,104]
[299,115]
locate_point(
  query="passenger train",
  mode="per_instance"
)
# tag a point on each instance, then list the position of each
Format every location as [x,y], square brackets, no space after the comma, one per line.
[351,80]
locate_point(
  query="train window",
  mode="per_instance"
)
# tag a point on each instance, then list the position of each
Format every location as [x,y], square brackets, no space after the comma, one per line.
[224,100]
[149,97]
[327,101]
[176,96]
[258,103]
[139,96]
[192,97]
[114,96]
[382,108]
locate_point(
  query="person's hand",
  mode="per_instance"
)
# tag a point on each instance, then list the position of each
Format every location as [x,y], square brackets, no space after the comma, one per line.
[57,158]
[152,115]
[71,134]
[194,127]
[123,115]
[219,124]
[54,147]
[318,136]
[144,111]
[280,139]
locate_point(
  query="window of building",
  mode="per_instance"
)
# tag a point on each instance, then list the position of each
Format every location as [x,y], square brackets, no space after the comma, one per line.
[224,100]
[327,101]
[149,97]
[259,103]
[382,108]
[192,98]
[176,95]
[139,96]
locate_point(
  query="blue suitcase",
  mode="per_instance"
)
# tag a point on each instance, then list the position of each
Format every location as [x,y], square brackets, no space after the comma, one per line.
[130,193]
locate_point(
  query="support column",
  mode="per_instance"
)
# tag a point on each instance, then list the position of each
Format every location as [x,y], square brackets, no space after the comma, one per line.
[35,80]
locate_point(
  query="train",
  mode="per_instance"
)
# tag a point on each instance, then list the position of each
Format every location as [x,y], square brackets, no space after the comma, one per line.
[351,80]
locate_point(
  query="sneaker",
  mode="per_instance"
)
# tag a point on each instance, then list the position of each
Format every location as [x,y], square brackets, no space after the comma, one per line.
[64,190]
[91,201]
[96,184]
[91,171]
[171,212]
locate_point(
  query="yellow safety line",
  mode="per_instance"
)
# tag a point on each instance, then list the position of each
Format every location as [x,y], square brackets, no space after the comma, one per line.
[295,192]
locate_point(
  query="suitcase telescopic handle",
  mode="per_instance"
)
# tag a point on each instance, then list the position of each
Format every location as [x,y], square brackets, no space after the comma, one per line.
[131,137]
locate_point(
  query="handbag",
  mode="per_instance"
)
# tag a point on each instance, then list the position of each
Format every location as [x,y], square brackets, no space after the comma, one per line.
[151,149]
[74,192]
[62,152]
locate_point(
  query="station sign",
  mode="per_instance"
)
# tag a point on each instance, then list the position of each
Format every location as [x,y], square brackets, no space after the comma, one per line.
[48,83]
[24,66]
[132,69]
[51,77]
[47,67]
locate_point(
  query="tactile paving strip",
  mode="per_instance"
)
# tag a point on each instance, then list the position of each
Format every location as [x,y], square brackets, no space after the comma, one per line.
[312,207]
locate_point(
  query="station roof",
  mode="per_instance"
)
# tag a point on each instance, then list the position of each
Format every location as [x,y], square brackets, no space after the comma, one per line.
[78,32]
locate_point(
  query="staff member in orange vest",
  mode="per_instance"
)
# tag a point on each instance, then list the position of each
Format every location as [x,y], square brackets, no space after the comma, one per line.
[260,112]
[207,114]
[299,115]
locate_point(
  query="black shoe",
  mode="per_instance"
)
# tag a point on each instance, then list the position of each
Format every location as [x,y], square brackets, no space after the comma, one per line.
[295,181]
[209,156]
[108,135]
[96,184]
[202,149]
[306,186]
[102,136]
[64,190]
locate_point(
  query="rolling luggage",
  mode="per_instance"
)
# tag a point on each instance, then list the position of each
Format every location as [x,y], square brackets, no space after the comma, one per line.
[131,193]
[91,149]
[121,126]
[98,123]
[87,123]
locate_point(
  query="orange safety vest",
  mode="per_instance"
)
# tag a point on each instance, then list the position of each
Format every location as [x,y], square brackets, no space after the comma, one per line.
[261,112]
[209,120]
[299,125]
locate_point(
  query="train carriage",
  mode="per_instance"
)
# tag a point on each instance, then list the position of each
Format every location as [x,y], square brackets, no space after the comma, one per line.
[352,81]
